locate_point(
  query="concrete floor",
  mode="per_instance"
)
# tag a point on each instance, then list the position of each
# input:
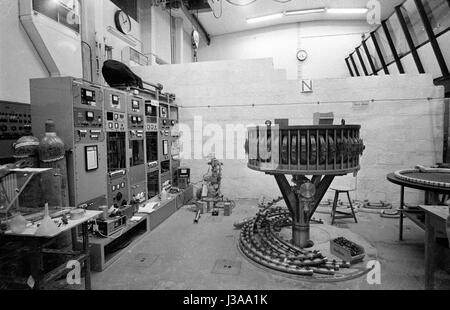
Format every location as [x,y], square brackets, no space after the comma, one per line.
[182,255]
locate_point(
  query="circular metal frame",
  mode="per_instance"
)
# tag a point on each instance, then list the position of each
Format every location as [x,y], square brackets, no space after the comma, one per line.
[400,175]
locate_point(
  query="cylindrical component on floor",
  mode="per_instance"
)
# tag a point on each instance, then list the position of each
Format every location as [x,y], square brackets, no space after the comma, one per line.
[227,208]
[197,217]
[300,235]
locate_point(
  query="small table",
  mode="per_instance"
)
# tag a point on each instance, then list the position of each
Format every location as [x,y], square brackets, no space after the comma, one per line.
[37,244]
[429,189]
[435,227]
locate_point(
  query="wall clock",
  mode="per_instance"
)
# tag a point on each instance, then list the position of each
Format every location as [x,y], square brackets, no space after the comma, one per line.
[302,55]
[123,22]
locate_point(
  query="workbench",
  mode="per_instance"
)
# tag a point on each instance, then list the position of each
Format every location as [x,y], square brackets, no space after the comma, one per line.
[435,228]
[101,254]
[36,247]
[431,194]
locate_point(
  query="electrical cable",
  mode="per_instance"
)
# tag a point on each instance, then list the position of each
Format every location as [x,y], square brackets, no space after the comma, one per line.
[307,103]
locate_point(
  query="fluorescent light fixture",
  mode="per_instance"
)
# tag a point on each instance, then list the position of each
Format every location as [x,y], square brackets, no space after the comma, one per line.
[348,10]
[307,11]
[264,18]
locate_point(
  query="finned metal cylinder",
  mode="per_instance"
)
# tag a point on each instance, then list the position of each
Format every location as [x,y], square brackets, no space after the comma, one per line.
[305,150]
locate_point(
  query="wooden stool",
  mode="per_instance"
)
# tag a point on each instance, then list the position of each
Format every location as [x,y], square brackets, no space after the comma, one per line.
[344,215]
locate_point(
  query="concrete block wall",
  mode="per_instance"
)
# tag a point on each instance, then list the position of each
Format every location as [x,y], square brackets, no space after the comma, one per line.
[401,127]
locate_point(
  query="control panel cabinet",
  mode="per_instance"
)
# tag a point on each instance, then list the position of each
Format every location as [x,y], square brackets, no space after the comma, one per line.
[15,122]
[152,142]
[122,144]
[116,142]
[174,140]
[76,107]
[136,152]
[165,143]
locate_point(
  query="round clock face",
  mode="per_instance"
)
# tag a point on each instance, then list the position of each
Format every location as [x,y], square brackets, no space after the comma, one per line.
[123,22]
[302,55]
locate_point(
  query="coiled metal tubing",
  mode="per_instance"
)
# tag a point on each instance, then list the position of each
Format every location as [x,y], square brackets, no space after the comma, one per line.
[260,242]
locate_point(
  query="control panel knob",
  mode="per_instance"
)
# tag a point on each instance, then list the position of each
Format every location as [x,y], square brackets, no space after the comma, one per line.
[119,196]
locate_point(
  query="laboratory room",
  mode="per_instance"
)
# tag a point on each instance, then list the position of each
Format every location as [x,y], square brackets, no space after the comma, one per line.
[219,145]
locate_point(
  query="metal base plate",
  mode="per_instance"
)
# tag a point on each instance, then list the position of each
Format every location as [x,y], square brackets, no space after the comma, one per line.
[225,266]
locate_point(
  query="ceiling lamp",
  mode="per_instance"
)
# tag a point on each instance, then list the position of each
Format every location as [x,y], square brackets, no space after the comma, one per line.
[301,12]
[240,2]
[348,10]
[264,18]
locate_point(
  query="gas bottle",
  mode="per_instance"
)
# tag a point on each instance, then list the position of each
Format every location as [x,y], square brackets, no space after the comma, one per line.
[26,156]
[52,155]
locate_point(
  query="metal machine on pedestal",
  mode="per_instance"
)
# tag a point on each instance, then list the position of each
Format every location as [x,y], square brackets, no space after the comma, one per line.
[322,152]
